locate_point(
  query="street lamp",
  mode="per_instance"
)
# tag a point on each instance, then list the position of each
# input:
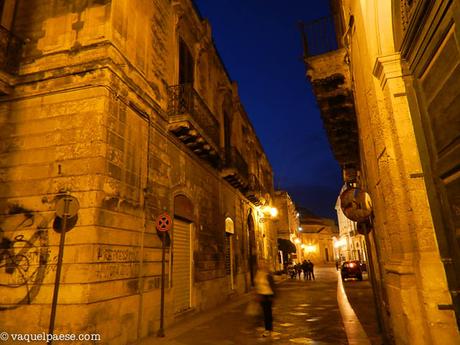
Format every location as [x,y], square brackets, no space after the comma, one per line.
[310,248]
[273,212]
[268,213]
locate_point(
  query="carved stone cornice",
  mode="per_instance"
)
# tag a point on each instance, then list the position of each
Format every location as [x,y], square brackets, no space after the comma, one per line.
[179,11]
[388,67]
[407,8]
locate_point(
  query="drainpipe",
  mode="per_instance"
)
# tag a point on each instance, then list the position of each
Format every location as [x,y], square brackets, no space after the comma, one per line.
[145,191]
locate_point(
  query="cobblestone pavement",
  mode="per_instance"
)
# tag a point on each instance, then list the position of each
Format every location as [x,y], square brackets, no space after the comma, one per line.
[305,312]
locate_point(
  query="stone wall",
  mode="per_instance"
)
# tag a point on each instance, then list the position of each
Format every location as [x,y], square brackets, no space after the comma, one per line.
[404,235]
[88,116]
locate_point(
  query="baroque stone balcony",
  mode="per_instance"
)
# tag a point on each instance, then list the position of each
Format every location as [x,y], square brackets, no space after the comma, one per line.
[254,190]
[10,54]
[236,170]
[193,123]
[329,74]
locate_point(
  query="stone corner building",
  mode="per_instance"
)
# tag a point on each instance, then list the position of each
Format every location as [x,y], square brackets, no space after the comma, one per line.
[389,97]
[127,106]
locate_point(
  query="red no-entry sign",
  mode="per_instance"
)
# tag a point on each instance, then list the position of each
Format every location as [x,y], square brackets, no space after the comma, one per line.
[163,222]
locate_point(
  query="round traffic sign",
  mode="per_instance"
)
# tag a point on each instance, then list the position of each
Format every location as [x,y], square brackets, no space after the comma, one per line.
[356,204]
[72,206]
[163,222]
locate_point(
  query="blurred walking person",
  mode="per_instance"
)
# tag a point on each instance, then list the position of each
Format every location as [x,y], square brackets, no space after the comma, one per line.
[298,269]
[265,290]
[311,273]
[305,268]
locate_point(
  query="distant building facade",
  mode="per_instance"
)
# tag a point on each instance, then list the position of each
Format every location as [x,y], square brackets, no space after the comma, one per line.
[388,95]
[316,237]
[350,244]
[127,106]
[287,225]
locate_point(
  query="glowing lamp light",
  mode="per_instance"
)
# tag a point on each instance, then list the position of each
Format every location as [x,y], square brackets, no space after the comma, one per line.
[302,246]
[270,212]
[310,248]
[300,228]
[297,241]
[273,212]
[340,243]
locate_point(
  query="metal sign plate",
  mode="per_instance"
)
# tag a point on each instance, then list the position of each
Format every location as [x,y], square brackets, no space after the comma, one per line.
[72,209]
[356,204]
[163,222]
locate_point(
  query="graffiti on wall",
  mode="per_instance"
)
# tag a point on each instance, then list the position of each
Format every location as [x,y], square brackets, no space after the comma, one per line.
[116,262]
[24,257]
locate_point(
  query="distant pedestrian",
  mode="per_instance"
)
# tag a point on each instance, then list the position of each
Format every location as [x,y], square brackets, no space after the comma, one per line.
[265,289]
[292,272]
[337,265]
[311,272]
[305,269]
[298,269]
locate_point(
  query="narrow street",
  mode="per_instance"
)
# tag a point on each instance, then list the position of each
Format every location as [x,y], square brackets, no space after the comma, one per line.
[305,312]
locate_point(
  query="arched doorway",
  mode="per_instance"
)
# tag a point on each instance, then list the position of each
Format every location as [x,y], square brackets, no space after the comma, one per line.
[252,252]
[182,250]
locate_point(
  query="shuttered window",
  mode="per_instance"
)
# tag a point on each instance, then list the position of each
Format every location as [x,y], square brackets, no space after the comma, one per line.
[181,266]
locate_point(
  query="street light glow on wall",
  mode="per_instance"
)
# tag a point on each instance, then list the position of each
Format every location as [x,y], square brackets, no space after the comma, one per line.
[267,213]
[340,243]
[310,248]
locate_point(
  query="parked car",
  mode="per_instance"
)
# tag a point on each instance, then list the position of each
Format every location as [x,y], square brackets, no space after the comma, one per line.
[352,269]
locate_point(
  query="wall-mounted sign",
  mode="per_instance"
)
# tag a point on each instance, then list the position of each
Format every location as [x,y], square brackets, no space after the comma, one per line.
[67,206]
[356,204]
[163,222]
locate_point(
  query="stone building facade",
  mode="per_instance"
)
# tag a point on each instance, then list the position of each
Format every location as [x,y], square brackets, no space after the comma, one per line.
[388,95]
[127,106]
[287,225]
[316,238]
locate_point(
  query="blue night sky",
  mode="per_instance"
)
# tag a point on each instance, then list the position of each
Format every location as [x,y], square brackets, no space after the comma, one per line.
[260,45]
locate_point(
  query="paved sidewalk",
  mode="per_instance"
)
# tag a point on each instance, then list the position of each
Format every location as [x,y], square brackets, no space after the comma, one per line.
[305,312]
[361,298]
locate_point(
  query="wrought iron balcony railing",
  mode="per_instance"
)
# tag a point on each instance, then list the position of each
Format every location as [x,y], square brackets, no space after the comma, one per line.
[237,161]
[266,181]
[10,50]
[253,190]
[319,36]
[186,104]
[236,170]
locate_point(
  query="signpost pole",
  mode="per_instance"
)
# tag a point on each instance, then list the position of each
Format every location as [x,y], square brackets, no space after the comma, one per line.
[161,332]
[58,268]
[163,223]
